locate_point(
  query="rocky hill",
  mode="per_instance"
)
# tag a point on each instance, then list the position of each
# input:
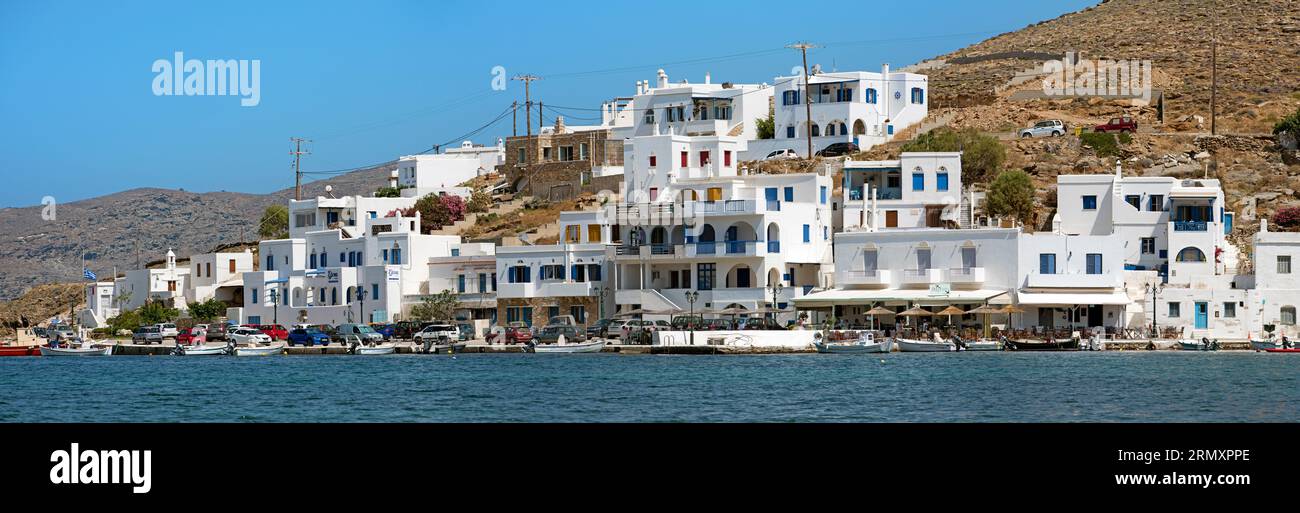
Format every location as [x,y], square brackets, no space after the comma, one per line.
[109,229]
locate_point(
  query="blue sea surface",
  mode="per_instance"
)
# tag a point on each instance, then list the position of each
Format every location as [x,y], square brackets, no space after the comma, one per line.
[914,387]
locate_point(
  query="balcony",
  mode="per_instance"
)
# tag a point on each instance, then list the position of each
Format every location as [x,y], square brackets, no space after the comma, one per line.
[922,276]
[1071,280]
[1190,226]
[773,205]
[773,246]
[972,275]
[876,277]
[546,288]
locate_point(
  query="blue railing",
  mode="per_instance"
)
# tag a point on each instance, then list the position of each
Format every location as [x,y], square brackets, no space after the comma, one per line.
[736,247]
[661,249]
[773,246]
[1189,226]
[706,248]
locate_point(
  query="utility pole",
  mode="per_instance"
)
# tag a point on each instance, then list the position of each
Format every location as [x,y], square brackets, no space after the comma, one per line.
[1214,72]
[807,86]
[528,114]
[514,119]
[297,167]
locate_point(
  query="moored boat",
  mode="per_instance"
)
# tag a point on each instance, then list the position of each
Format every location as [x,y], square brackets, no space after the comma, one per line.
[20,351]
[260,350]
[76,351]
[200,350]
[583,347]
[912,345]
[1266,344]
[1204,344]
[982,345]
[1282,350]
[374,350]
[865,343]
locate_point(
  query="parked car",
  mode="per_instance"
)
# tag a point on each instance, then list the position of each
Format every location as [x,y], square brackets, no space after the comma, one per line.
[168,330]
[347,333]
[759,323]
[406,329]
[275,331]
[191,336]
[518,333]
[1118,124]
[246,335]
[308,336]
[147,335]
[686,322]
[719,325]
[437,332]
[60,332]
[597,329]
[619,328]
[838,149]
[781,155]
[551,334]
[466,331]
[217,331]
[1045,128]
[387,330]
[562,320]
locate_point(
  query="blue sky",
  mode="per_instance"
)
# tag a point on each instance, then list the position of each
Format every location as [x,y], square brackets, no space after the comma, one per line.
[369,81]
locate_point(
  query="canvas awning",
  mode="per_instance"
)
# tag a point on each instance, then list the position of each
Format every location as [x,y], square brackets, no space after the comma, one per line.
[1073,299]
[839,297]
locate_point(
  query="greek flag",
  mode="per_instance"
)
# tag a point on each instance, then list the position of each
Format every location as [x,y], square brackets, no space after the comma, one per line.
[89,275]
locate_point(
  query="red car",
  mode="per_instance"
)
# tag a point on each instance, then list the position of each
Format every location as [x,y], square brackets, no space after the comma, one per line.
[188,337]
[275,331]
[1120,124]
[518,333]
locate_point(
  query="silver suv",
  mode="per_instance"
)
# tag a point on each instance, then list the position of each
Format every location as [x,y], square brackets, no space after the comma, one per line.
[1050,127]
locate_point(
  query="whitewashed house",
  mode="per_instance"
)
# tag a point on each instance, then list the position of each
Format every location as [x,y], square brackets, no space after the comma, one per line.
[538,282]
[920,189]
[862,107]
[471,272]
[100,305]
[218,275]
[167,284]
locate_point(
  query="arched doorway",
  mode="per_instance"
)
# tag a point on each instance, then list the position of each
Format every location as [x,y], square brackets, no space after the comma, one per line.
[773,238]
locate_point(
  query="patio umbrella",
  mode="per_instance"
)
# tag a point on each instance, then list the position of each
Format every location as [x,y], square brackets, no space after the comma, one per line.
[879,310]
[951,311]
[1011,309]
[986,311]
[915,311]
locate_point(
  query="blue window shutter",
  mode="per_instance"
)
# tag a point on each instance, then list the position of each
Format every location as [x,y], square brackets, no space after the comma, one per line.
[770,193]
[941,181]
[823,194]
[789,193]
[374,291]
[807,235]
[918,181]
[789,132]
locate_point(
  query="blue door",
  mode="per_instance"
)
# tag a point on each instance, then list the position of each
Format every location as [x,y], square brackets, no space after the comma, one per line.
[1202,315]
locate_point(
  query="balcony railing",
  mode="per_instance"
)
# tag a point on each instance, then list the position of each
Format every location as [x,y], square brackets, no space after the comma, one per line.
[773,246]
[706,248]
[661,249]
[737,247]
[774,205]
[1190,226]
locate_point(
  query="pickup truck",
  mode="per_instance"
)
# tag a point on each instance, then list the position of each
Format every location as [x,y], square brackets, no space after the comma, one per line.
[1119,124]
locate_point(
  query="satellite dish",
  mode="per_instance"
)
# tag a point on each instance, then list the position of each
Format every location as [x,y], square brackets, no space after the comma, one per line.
[816,69]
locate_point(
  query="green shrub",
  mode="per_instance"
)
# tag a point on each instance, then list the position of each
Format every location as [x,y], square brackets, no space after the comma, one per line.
[1011,195]
[1289,124]
[1103,143]
[982,155]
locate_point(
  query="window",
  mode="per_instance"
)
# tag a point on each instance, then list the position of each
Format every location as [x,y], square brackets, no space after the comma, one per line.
[654,193]
[1047,263]
[1288,315]
[582,151]
[1190,254]
[918,95]
[870,96]
[652,161]
[649,116]
[1135,200]
[789,193]
[816,130]
[670,114]
[1156,203]
[726,158]
[313,261]
[923,259]
[789,132]
[552,312]
[705,275]
[918,181]
[270,263]
[1174,310]
[686,157]
[790,97]
[807,237]
[566,153]
[1284,264]
[593,233]
[1229,310]
[254,297]
[822,190]
[552,272]
[826,233]
[1148,245]
[1093,263]
[941,180]
[460,283]
[579,313]
[968,258]
[704,158]
[1090,203]
[374,291]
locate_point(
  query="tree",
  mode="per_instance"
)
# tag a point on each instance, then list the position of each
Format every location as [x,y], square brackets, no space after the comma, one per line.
[440,306]
[209,310]
[982,155]
[1289,124]
[127,320]
[437,211]
[154,312]
[274,223]
[1011,195]
[480,201]
[388,192]
[1287,217]
[766,127]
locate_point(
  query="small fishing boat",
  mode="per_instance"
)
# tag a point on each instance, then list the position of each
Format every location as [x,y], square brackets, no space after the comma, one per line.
[912,345]
[200,350]
[1204,344]
[1266,344]
[563,346]
[865,343]
[20,351]
[980,345]
[431,347]
[1283,350]
[84,350]
[373,350]
[1042,345]
[260,350]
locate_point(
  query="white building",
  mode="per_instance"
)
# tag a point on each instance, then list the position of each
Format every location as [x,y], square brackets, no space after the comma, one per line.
[861,107]
[920,189]
[167,284]
[218,275]
[100,305]
[471,272]
[422,175]
[539,282]
[489,157]
[1277,285]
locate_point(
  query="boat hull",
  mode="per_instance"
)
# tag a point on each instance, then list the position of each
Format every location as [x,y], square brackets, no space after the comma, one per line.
[924,346]
[1196,345]
[203,350]
[586,347]
[260,351]
[984,345]
[855,347]
[69,351]
[1265,345]
[375,350]
[20,351]
[1281,350]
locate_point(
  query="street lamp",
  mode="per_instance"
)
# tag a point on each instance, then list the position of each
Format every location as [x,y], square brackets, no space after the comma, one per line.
[1154,289]
[600,307]
[691,297]
[361,295]
[275,305]
[775,287]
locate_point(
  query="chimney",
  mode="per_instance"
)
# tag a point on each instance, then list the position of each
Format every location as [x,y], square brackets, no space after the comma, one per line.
[663,79]
[706,77]
[392,179]
[1263,225]
[559,125]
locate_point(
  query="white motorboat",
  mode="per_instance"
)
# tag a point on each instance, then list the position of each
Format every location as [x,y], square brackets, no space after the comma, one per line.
[374,350]
[865,343]
[260,350]
[200,350]
[983,345]
[84,350]
[563,346]
[912,345]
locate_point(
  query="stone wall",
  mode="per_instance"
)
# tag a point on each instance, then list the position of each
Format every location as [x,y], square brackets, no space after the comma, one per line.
[541,306]
[554,179]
